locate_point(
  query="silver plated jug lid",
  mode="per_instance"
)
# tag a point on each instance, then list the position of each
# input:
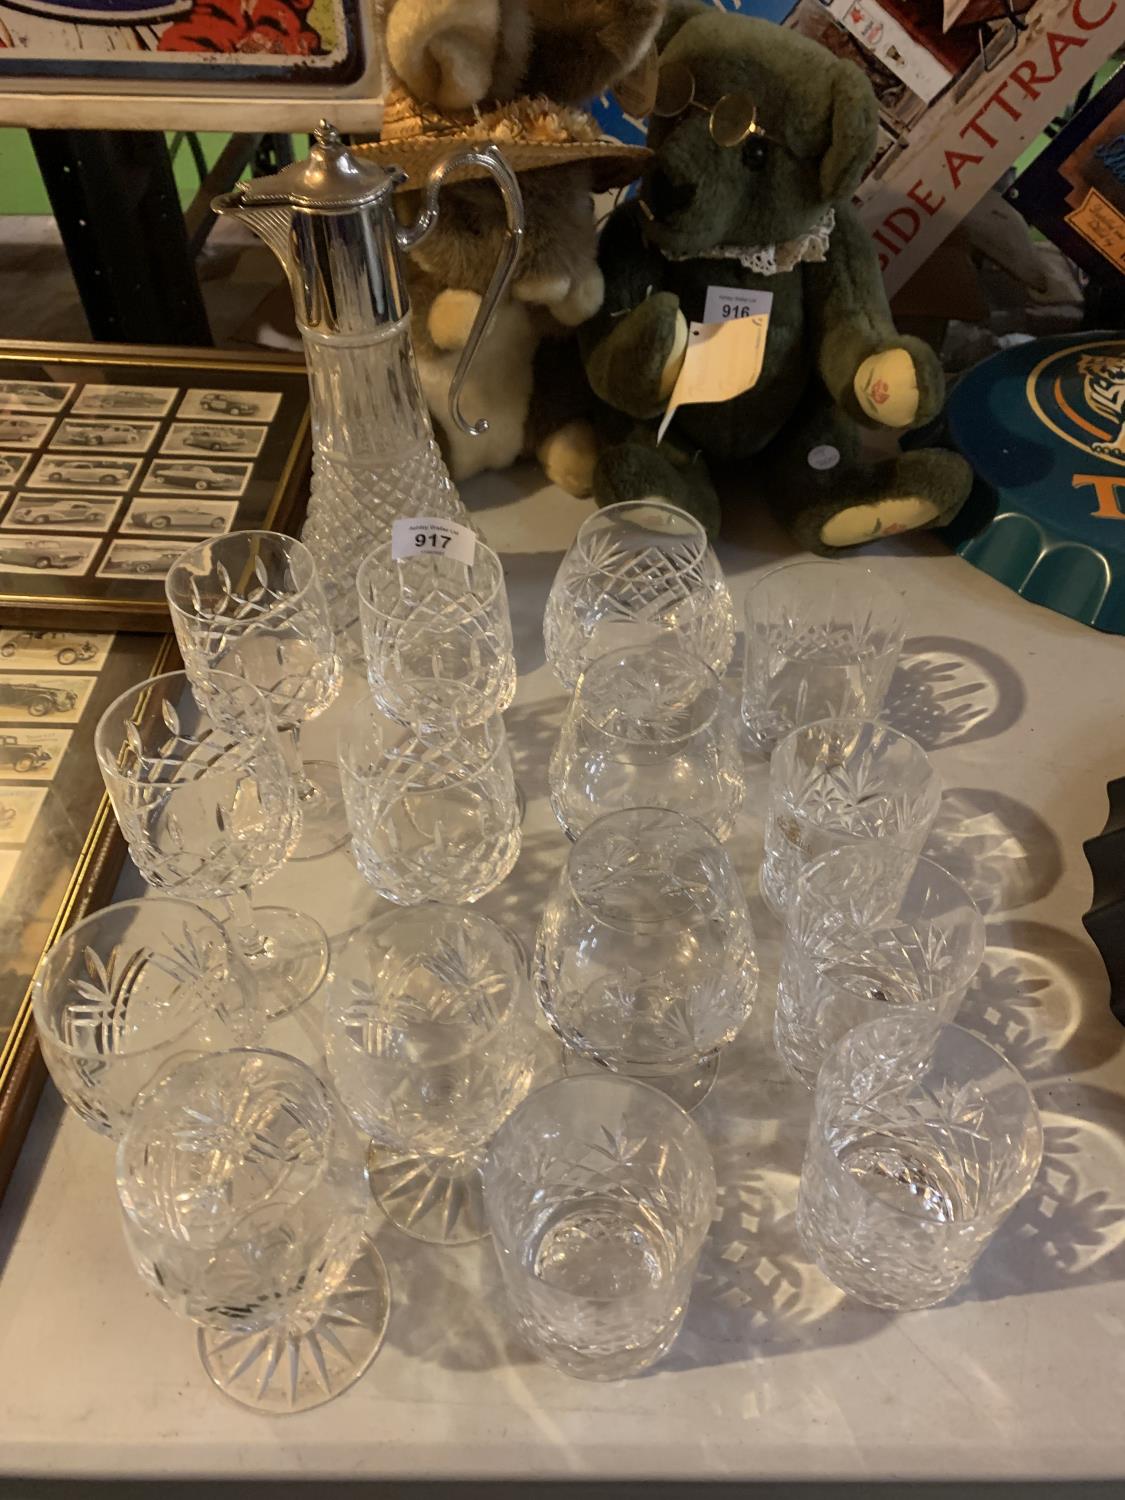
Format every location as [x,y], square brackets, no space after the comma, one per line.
[330,179]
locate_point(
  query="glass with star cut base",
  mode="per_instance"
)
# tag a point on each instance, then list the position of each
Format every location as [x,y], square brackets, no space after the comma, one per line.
[644,959]
[637,571]
[821,642]
[431,1041]
[250,604]
[244,1207]
[842,783]
[600,1192]
[923,1139]
[869,929]
[649,726]
[437,636]
[126,990]
[209,810]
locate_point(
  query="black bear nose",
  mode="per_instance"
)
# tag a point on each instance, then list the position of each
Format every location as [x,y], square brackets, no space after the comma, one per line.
[666,197]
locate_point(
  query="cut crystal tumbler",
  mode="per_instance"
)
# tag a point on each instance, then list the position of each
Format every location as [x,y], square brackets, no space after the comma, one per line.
[600,1193]
[433,816]
[843,782]
[438,637]
[244,1207]
[649,726]
[868,929]
[644,958]
[431,1042]
[637,571]
[923,1138]
[125,991]
[822,640]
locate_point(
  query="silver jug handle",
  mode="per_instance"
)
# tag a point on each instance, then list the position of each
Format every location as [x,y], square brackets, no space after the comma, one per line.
[408,236]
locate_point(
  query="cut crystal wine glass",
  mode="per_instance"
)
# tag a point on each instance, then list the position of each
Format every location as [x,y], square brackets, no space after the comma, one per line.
[649,726]
[250,604]
[869,928]
[438,637]
[644,959]
[128,989]
[636,571]
[599,1193]
[209,810]
[822,640]
[244,1207]
[433,816]
[923,1138]
[431,1041]
[843,782]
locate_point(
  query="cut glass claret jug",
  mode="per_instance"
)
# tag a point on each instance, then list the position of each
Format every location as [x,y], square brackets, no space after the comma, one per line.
[330,221]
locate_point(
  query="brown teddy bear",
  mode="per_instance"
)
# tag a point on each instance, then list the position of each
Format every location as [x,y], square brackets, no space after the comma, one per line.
[454,54]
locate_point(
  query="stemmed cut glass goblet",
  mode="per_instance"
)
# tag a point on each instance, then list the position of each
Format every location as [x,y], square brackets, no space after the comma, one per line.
[250,604]
[126,990]
[637,571]
[433,816]
[437,636]
[644,959]
[244,1209]
[209,810]
[649,726]
[431,1044]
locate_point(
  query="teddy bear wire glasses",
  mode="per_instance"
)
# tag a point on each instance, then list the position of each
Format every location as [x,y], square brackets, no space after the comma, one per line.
[732,119]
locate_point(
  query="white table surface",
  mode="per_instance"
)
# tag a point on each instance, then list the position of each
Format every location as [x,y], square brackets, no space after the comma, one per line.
[776,1373]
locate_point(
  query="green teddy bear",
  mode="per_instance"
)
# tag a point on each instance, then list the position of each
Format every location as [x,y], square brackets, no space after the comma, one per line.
[760,137]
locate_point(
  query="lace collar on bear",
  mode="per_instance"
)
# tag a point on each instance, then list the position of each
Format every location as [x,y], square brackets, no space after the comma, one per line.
[772,260]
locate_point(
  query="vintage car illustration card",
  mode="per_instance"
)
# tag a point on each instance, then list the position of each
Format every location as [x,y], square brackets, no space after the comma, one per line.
[65,473]
[12,466]
[19,807]
[26,698]
[24,552]
[22,431]
[31,753]
[195,476]
[54,650]
[230,406]
[179,516]
[124,401]
[48,512]
[190,438]
[33,395]
[139,559]
[79,436]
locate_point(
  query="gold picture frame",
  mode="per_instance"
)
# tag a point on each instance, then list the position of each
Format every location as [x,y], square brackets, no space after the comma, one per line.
[113,457]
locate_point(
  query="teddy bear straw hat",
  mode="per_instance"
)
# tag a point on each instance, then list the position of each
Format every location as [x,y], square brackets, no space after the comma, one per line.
[529,132]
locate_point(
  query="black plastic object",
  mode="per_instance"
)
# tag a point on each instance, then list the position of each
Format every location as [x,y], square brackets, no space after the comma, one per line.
[1105,921]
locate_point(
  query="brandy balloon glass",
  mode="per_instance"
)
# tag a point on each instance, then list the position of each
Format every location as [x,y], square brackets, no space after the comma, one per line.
[649,726]
[600,1193]
[128,989]
[244,1205]
[923,1138]
[644,958]
[431,1042]
[209,810]
[250,604]
[637,571]
[437,636]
